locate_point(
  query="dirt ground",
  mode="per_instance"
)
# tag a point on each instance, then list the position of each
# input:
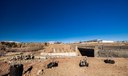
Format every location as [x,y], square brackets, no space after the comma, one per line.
[70,67]
[58,48]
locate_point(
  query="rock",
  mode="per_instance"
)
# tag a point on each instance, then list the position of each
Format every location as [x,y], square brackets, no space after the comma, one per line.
[40,72]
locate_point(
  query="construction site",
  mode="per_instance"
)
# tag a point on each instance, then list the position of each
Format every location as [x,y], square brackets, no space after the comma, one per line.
[74,59]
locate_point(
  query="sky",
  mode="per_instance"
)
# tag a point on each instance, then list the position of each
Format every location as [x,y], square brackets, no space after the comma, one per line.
[63,20]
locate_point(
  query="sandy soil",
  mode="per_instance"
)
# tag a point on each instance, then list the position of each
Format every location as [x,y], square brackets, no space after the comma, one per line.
[70,67]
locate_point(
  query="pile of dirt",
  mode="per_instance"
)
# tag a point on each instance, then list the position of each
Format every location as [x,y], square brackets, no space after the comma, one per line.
[59,48]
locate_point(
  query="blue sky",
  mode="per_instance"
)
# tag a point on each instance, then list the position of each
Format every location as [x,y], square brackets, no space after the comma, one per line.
[63,20]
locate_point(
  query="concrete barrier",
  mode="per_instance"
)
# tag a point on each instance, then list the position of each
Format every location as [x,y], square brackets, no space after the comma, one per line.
[60,54]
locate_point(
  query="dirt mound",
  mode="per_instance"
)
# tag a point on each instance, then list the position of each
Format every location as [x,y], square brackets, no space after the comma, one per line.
[59,48]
